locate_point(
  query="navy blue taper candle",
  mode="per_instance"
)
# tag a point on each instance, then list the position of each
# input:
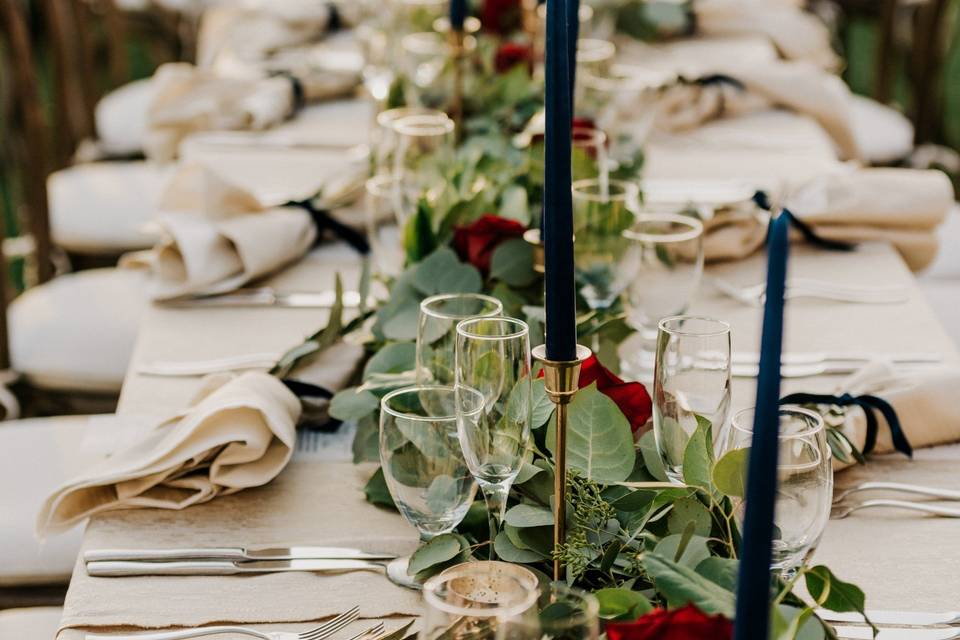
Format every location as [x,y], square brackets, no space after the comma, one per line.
[573,21]
[458,13]
[559,295]
[753,586]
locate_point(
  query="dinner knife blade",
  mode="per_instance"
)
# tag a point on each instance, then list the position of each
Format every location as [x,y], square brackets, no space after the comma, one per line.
[266,297]
[906,618]
[866,633]
[299,552]
[119,569]
[817,357]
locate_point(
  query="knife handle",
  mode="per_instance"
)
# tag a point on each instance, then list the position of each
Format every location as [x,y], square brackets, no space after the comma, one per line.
[214,553]
[118,568]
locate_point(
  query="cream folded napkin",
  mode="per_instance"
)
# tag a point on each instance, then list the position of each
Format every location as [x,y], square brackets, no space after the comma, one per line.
[238,433]
[190,99]
[901,206]
[924,403]
[216,237]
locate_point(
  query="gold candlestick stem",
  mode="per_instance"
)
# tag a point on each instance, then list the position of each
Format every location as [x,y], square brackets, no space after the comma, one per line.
[560,381]
[458,53]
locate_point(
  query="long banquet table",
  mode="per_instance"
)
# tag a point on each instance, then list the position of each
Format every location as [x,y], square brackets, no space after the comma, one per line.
[901,560]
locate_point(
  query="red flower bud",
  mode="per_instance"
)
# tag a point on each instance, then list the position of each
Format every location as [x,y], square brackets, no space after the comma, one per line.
[501,16]
[511,54]
[686,623]
[476,242]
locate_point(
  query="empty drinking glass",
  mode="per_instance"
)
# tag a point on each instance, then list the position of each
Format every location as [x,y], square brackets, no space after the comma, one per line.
[602,211]
[804,482]
[385,224]
[437,331]
[481,601]
[385,138]
[589,155]
[422,462]
[424,154]
[568,613]
[665,262]
[493,364]
[691,383]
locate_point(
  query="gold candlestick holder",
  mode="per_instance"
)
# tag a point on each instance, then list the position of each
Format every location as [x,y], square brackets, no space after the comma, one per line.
[560,379]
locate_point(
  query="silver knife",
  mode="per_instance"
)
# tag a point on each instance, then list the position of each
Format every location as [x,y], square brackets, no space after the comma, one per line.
[797,370]
[817,357]
[866,633]
[905,618]
[117,569]
[268,297]
[233,553]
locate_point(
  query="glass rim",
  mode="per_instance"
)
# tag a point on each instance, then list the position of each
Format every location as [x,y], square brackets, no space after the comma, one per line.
[723,327]
[419,388]
[786,409]
[425,306]
[597,137]
[523,328]
[597,50]
[433,43]
[628,189]
[387,117]
[695,231]
[591,604]
[423,126]
[433,584]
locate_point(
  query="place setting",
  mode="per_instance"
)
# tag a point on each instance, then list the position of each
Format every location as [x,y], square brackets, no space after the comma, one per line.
[479,320]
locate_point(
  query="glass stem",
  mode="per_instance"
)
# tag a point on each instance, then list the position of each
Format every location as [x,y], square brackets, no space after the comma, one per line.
[495,495]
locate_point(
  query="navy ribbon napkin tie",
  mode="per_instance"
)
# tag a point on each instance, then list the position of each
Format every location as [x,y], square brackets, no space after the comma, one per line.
[326,222]
[762,200]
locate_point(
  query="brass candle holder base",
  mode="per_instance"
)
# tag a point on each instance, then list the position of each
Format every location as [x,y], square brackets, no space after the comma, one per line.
[560,379]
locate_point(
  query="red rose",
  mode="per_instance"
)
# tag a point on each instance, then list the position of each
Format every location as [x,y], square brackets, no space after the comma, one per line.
[501,16]
[511,54]
[687,623]
[580,122]
[631,397]
[476,242]
[576,123]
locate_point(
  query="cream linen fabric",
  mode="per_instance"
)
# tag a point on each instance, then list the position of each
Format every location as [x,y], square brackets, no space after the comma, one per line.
[900,206]
[796,33]
[924,403]
[239,433]
[317,503]
[216,237]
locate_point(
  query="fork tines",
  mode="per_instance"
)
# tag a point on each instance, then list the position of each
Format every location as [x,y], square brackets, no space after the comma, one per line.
[329,628]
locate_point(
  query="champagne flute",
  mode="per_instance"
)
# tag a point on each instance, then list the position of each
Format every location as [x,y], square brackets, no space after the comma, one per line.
[425,152]
[804,483]
[385,138]
[691,383]
[493,364]
[385,244]
[437,331]
[589,155]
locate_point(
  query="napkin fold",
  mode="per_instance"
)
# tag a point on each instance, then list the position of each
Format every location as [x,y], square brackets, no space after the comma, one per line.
[901,206]
[189,99]
[216,237]
[238,433]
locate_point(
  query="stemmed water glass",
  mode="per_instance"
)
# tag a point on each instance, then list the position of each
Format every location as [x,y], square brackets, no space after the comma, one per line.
[386,140]
[493,406]
[691,383]
[385,245]
[422,462]
[804,482]
[589,155]
[437,331]
[425,151]
[665,262]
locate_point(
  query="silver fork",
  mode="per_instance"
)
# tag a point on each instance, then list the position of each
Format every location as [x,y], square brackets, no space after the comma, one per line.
[754,295]
[932,492]
[319,633]
[842,511]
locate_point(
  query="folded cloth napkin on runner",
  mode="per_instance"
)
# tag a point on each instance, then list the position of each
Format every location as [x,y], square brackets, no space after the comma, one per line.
[900,206]
[797,34]
[189,99]
[922,401]
[216,237]
[238,433]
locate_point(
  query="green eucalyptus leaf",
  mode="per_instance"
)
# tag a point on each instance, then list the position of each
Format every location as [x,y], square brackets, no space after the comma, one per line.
[402,324]
[622,604]
[527,471]
[512,262]
[366,441]
[542,406]
[832,593]
[690,511]
[377,492]
[442,272]
[691,555]
[730,473]
[698,457]
[507,551]
[418,237]
[528,515]
[722,571]
[651,456]
[441,549]
[353,404]
[792,623]
[396,357]
[599,439]
[681,585]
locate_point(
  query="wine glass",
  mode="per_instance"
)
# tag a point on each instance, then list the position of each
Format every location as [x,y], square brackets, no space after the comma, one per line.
[595,56]
[481,601]
[385,138]
[437,331]
[691,383]
[493,363]
[602,211]
[568,613]
[804,482]
[589,155]
[665,262]
[425,151]
[385,238]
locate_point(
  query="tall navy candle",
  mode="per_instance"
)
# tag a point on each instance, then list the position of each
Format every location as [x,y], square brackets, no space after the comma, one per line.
[458,13]
[560,298]
[753,586]
[573,20]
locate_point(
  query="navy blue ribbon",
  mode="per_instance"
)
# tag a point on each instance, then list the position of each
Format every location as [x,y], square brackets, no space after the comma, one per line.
[296,85]
[870,405]
[325,222]
[762,200]
[308,391]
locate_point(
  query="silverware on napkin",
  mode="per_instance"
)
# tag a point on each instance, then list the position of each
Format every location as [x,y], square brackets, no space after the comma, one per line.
[267,297]
[820,357]
[915,489]
[866,633]
[842,511]
[319,633]
[903,618]
[300,552]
